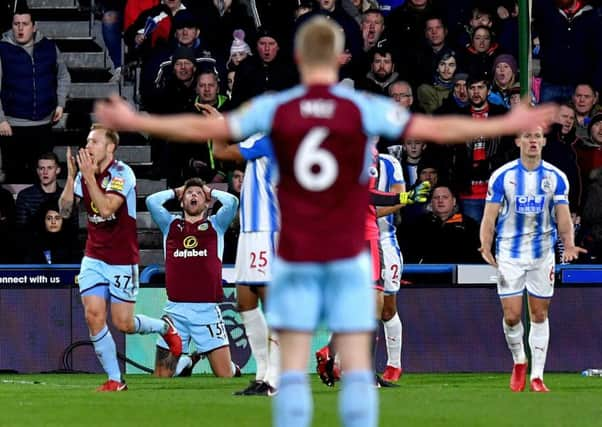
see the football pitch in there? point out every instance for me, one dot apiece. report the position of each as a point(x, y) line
point(421, 400)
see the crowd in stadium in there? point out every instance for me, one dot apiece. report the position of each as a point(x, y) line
point(431, 56)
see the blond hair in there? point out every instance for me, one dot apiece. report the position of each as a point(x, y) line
point(110, 134)
point(319, 42)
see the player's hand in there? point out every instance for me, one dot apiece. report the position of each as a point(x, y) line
point(115, 113)
point(86, 164)
point(488, 256)
point(207, 110)
point(71, 165)
point(207, 191)
point(523, 117)
point(179, 192)
point(5, 129)
point(572, 253)
point(418, 194)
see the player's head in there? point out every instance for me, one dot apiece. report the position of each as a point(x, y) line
point(101, 145)
point(531, 142)
point(48, 168)
point(194, 199)
point(319, 43)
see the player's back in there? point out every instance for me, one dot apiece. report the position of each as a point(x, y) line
point(321, 147)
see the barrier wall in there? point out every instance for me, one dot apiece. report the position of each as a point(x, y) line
point(451, 318)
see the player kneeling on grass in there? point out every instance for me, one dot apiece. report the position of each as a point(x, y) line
point(193, 246)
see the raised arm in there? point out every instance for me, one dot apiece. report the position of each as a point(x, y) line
point(449, 129)
point(66, 200)
point(227, 211)
point(159, 213)
point(119, 115)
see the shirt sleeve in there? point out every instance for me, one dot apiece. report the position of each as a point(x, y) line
point(255, 147)
point(77, 186)
point(122, 181)
point(224, 216)
point(495, 190)
point(561, 195)
point(159, 214)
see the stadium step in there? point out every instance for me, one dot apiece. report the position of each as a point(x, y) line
point(143, 221)
point(151, 256)
point(131, 154)
point(82, 52)
point(57, 4)
point(144, 187)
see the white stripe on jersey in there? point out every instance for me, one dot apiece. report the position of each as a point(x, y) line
point(389, 173)
point(526, 226)
point(258, 204)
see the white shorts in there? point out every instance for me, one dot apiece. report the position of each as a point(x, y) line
point(254, 257)
point(392, 268)
point(537, 276)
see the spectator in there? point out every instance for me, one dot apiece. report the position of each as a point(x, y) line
point(33, 91)
point(406, 23)
point(372, 26)
point(444, 235)
point(479, 55)
point(54, 242)
point(231, 236)
point(474, 162)
point(589, 151)
point(591, 220)
point(431, 96)
point(409, 154)
point(585, 100)
point(571, 46)
point(112, 23)
point(457, 100)
point(425, 57)
point(152, 28)
point(31, 198)
point(382, 73)
point(480, 16)
point(505, 74)
point(218, 19)
point(560, 150)
point(356, 8)
point(401, 92)
point(158, 63)
point(177, 93)
point(239, 49)
point(7, 227)
point(269, 70)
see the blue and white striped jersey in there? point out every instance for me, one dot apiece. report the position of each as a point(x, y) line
point(526, 225)
point(258, 204)
point(389, 174)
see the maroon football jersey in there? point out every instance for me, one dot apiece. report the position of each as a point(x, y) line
point(321, 149)
point(193, 270)
point(114, 239)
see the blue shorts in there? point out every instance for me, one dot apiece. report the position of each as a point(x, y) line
point(338, 293)
point(198, 322)
point(117, 282)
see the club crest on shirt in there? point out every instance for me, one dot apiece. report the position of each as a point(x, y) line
point(190, 242)
point(203, 227)
point(546, 185)
point(117, 184)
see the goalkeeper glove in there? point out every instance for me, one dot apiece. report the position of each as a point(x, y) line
point(418, 194)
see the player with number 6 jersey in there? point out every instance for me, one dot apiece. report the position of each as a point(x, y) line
point(193, 246)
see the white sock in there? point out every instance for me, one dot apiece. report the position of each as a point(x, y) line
point(256, 329)
point(393, 330)
point(184, 362)
point(514, 339)
point(233, 368)
point(539, 336)
point(273, 372)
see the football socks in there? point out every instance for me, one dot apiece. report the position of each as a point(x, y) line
point(293, 405)
point(358, 404)
point(514, 339)
point(539, 336)
point(257, 333)
point(104, 347)
point(393, 330)
point(148, 325)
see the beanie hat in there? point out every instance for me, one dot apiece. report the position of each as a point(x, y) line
point(506, 59)
point(460, 76)
point(184, 52)
point(184, 19)
point(239, 45)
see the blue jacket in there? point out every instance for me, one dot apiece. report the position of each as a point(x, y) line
point(29, 85)
point(571, 48)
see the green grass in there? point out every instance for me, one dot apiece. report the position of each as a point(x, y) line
point(422, 400)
